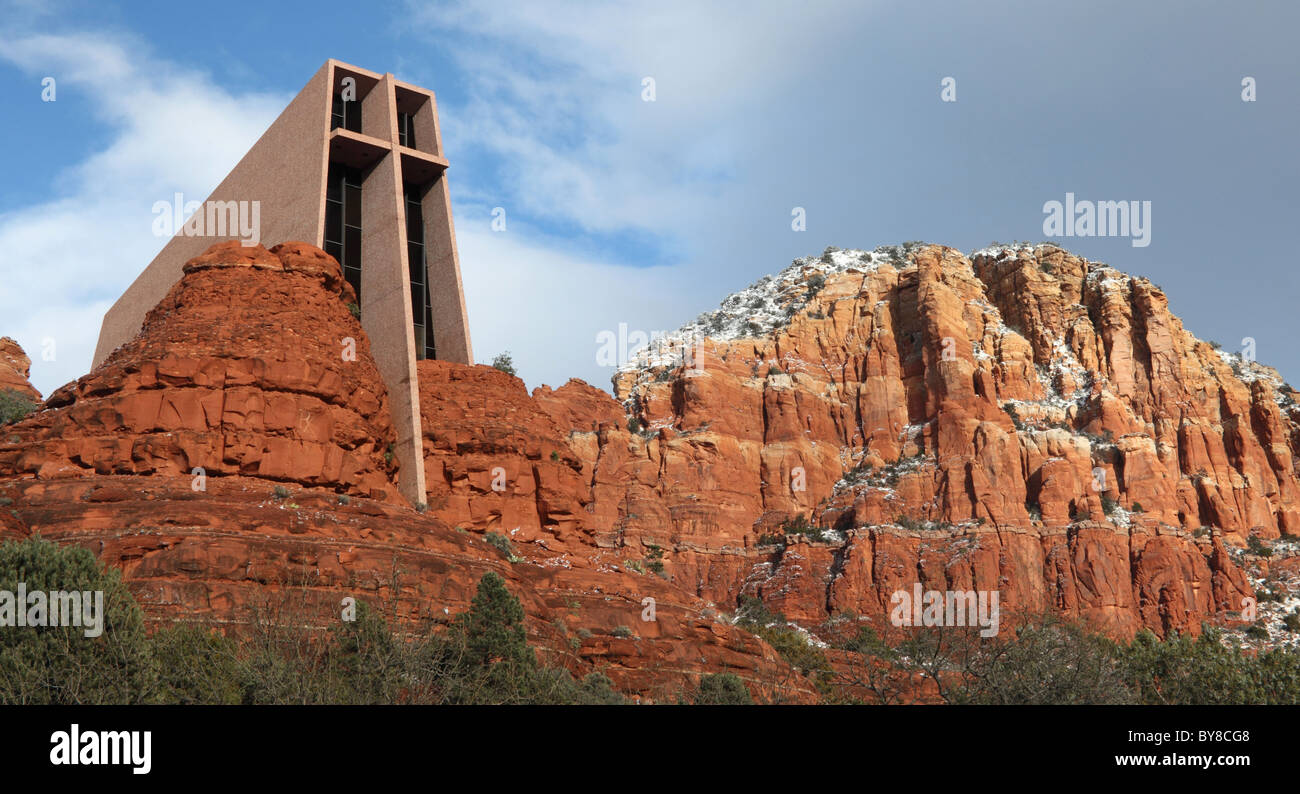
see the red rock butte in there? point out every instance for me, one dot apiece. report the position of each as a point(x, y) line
point(1021, 420)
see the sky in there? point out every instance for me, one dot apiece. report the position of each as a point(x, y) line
point(625, 213)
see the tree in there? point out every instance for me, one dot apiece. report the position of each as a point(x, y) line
point(1206, 671)
point(365, 662)
point(485, 659)
point(1048, 661)
point(60, 664)
point(505, 363)
point(493, 627)
point(196, 666)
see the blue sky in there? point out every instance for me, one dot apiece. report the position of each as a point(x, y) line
point(647, 213)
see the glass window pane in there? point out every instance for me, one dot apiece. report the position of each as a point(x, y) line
point(352, 246)
point(336, 112)
point(414, 222)
point(430, 349)
point(334, 183)
point(415, 260)
point(333, 221)
point(352, 205)
point(352, 115)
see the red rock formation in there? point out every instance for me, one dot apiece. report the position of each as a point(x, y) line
point(1026, 422)
point(239, 370)
point(15, 369)
point(1064, 464)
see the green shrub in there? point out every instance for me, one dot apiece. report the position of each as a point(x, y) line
point(722, 689)
point(598, 690)
point(1271, 593)
point(1206, 671)
point(1109, 505)
point(1256, 632)
point(621, 631)
point(1046, 659)
point(1256, 546)
point(799, 525)
point(481, 658)
point(910, 524)
point(502, 544)
point(794, 648)
point(280, 492)
point(196, 666)
point(14, 407)
point(505, 363)
point(60, 664)
point(815, 285)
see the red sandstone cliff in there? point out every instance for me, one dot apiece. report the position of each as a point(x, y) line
point(936, 419)
point(15, 369)
point(945, 421)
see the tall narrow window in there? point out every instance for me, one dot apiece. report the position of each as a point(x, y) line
point(421, 309)
point(346, 114)
point(406, 130)
point(343, 222)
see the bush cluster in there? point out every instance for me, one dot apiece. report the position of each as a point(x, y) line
point(14, 407)
point(482, 657)
point(1047, 660)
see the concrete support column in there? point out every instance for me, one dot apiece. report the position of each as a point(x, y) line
point(386, 305)
point(446, 295)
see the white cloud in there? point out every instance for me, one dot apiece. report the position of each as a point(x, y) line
point(547, 306)
point(166, 130)
point(556, 96)
point(554, 106)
